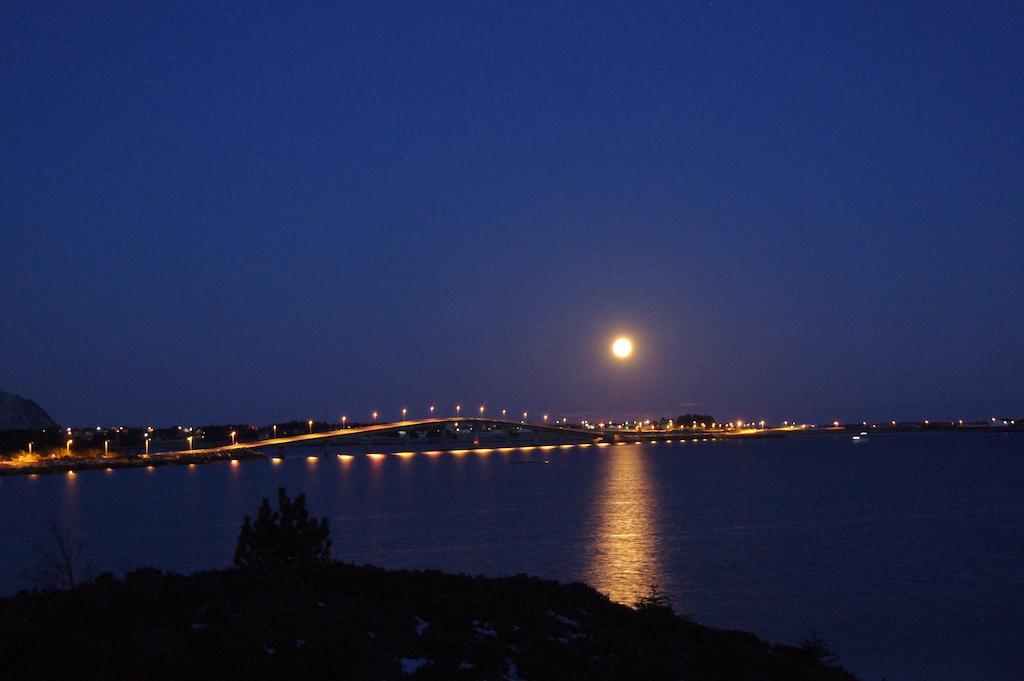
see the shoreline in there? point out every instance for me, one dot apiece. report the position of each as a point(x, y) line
point(249, 451)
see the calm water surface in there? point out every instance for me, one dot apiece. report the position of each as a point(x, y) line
point(905, 553)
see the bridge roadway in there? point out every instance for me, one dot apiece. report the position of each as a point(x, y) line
point(382, 428)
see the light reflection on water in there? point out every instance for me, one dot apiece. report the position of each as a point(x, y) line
point(625, 557)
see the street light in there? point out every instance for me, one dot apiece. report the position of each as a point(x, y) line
point(375, 417)
point(275, 429)
point(503, 414)
point(431, 411)
point(524, 417)
point(189, 438)
point(69, 446)
point(147, 444)
point(30, 448)
point(106, 447)
point(481, 410)
point(458, 408)
point(310, 424)
point(343, 420)
point(404, 412)
point(233, 434)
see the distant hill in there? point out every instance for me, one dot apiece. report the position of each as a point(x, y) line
point(18, 413)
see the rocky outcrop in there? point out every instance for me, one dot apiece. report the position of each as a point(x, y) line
point(18, 413)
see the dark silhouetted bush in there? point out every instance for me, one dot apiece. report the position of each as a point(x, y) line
point(283, 538)
point(817, 650)
point(653, 601)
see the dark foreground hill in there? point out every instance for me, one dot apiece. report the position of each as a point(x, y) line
point(341, 621)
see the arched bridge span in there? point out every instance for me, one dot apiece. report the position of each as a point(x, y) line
point(477, 424)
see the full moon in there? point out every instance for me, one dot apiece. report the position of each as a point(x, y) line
point(622, 347)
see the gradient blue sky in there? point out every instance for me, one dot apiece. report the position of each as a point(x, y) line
point(255, 212)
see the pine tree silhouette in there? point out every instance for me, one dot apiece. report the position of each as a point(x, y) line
point(282, 538)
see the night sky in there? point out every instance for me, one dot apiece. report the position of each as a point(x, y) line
point(256, 213)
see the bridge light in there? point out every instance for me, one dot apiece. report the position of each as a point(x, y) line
point(404, 411)
point(375, 417)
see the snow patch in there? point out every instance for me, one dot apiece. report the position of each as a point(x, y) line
point(511, 671)
point(411, 664)
point(482, 630)
point(564, 620)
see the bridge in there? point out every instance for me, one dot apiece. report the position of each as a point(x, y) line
point(365, 434)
